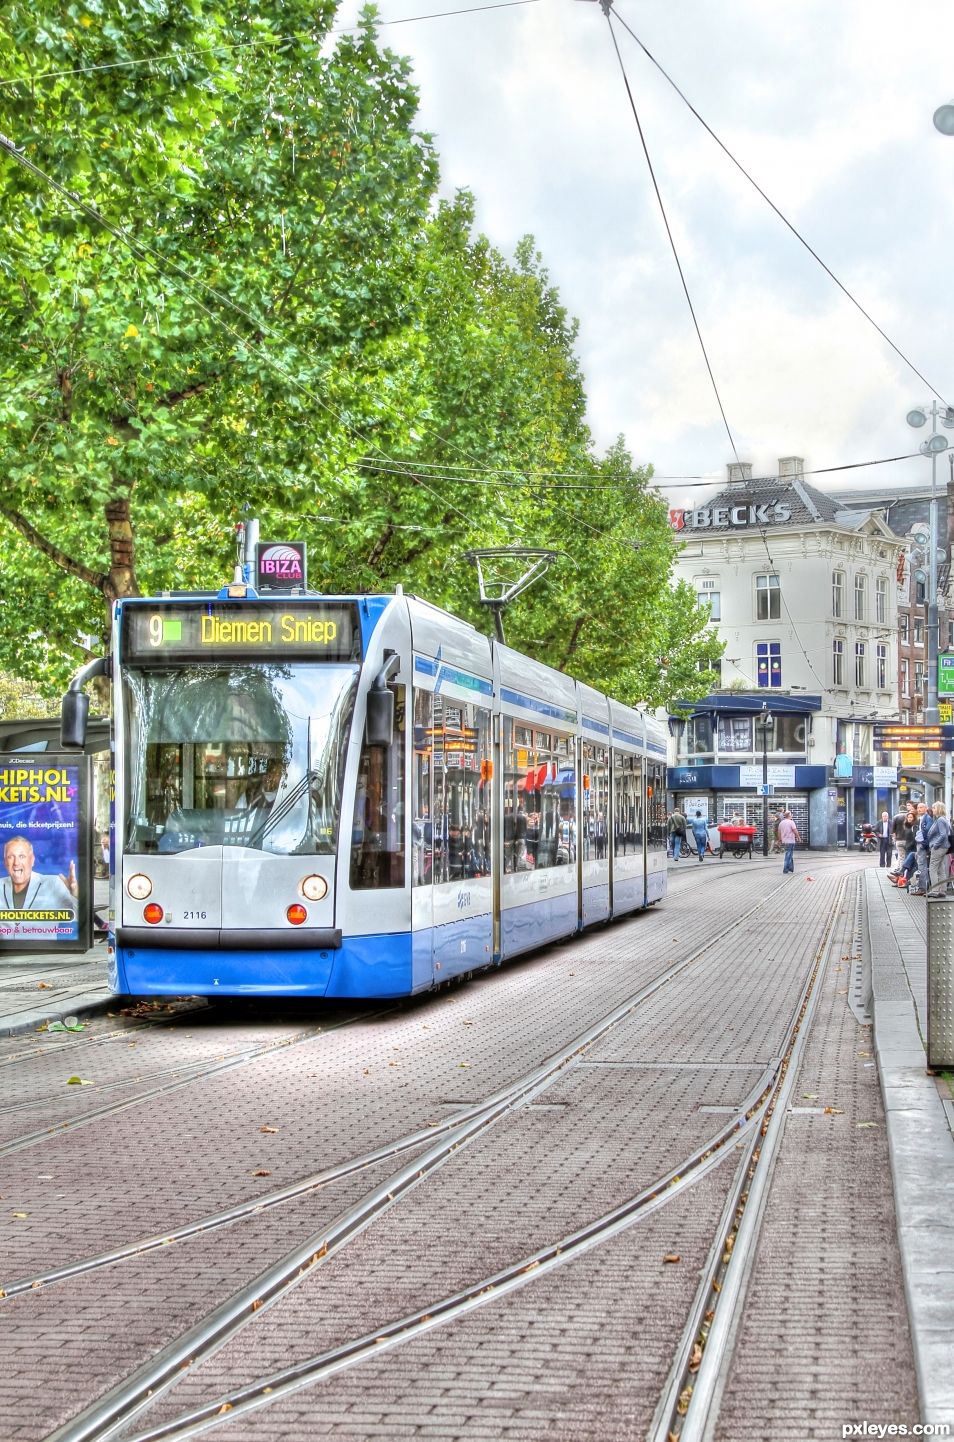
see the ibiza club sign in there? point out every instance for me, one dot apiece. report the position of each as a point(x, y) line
point(706, 518)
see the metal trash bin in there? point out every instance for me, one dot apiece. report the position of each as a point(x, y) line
point(940, 982)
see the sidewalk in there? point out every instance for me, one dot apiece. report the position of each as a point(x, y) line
point(920, 1140)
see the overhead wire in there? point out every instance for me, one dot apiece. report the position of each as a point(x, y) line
point(607, 6)
point(782, 217)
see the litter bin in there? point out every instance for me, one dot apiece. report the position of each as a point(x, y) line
point(940, 982)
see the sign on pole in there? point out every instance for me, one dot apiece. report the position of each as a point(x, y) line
point(945, 675)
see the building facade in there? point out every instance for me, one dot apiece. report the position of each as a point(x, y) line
point(803, 589)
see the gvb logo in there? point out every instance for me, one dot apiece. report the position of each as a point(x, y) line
point(281, 565)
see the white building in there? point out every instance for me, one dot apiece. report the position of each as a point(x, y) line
point(804, 594)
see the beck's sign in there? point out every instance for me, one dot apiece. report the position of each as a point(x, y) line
point(705, 518)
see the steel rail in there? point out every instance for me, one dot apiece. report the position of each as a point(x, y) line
point(688, 1405)
point(197, 1074)
point(113, 1411)
point(317, 1180)
point(753, 1120)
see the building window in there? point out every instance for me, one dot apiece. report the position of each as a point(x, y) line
point(861, 597)
point(860, 664)
point(881, 667)
point(905, 623)
point(838, 663)
point(918, 631)
point(881, 600)
point(918, 678)
point(950, 635)
point(838, 595)
point(768, 663)
point(713, 600)
point(768, 600)
point(905, 678)
point(714, 665)
point(920, 592)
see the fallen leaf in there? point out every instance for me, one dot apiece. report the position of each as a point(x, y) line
point(810, 1096)
point(268, 1129)
point(44, 986)
point(77, 1081)
point(22, 1215)
point(261, 1173)
point(256, 1304)
point(865, 1124)
point(464, 1064)
point(695, 1358)
point(672, 1257)
point(834, 1112)
point(225, 1407)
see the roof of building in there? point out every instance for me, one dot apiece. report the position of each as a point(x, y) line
point(808, 505)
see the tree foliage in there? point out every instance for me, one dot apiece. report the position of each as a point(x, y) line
point(226, 287)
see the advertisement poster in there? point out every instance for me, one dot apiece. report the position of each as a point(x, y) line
point(45, 880)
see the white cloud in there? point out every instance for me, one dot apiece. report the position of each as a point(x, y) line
point(828, 106)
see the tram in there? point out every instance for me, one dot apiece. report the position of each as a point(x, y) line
point(356, 796)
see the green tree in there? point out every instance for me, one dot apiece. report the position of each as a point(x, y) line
point(273, 198)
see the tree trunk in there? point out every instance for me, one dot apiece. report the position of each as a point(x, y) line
point(120, 580)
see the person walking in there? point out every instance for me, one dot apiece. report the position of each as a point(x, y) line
point(885, 839)
point(677, 830)
point(938, 837)
point(789, 837)
point(700, 833)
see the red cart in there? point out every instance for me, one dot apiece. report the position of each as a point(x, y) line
point(736, 839)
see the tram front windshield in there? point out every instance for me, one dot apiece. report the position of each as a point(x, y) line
point(245, 755)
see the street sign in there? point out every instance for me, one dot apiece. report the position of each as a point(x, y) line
point(945, 675)
point(766, 788)
point(945, 711)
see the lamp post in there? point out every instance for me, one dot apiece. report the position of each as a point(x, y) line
point(764, 723)
point(932, 447)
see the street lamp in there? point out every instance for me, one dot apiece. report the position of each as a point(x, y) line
point(932, 447)
point(944, 119)
point(764, 723)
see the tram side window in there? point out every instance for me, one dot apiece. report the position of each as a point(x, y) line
point(539, 799)
point(627, 816)
point(378, 854)
point(461, 789)
point(595, 801)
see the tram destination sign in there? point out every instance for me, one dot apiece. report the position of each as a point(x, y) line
point(224, 630)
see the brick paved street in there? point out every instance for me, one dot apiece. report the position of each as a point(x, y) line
point(192, 1113)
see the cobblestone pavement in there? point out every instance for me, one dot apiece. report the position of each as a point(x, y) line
point(220, 1108)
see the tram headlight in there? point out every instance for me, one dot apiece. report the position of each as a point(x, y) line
point(296, 914)
point(314, 888)
point(152, 913)
point(139, 886)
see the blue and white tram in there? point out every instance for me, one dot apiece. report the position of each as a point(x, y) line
point(358, 797)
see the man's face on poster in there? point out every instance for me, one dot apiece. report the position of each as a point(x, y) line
point(18, 859)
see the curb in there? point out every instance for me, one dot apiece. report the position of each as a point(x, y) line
point(87, 1003)
point(922, 1162)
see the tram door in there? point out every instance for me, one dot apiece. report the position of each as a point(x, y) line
point(452, 796)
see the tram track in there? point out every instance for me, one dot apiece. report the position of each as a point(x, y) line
point(198, 1074)
point(756, 1125)
point(122, 1404)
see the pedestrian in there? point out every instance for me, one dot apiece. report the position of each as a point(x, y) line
point(897, 832)
point(885, 839)
point(700, 833)
point(788, 837)
point(677, 831)
point(922, 853)
point(938, 837)
point(907, 850)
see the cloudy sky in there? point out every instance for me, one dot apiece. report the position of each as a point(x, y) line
point(827, 103)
